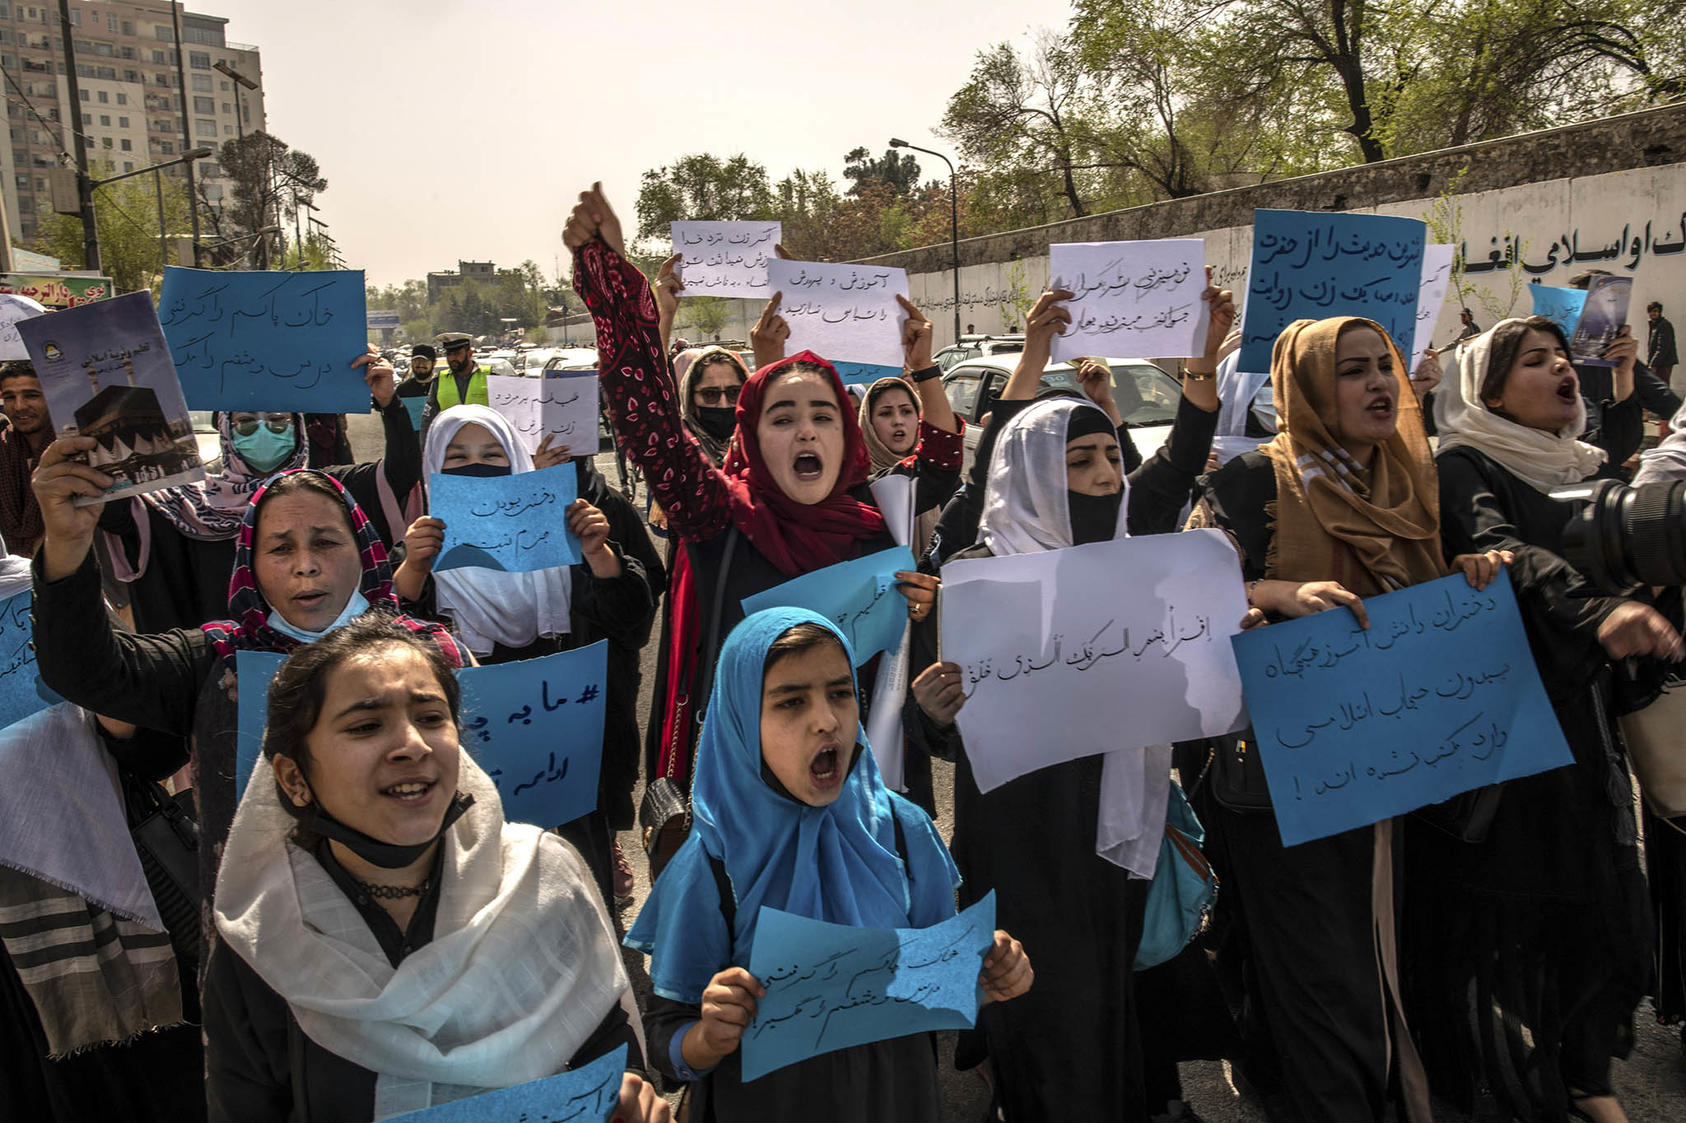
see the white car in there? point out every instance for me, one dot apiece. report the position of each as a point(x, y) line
point(1147, 397)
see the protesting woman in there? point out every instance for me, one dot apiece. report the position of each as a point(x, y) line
point(173, 549)
point(791, 496)
point(894, 415)
point(98, 1015)
point(791, 814)
point(306, 561)
point(1539, 925)
point(389, 942)
point(1341, 504)
point(506, 617)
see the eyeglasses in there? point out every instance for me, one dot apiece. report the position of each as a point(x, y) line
point(712, 395)
point(276, 425)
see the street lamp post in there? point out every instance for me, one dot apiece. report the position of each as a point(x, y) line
point(157, 171)
point(953, 221)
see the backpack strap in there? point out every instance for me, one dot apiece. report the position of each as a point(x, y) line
point(729, 903)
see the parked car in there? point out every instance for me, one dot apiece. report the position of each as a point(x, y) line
point(976, 347)
point(1147, 397)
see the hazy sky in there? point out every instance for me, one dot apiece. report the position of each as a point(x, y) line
point(454, 130)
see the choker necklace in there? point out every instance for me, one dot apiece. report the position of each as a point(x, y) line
point(394, 892)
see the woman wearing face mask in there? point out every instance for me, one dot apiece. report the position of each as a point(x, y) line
point(790, 497)
point(505, 617)
point(1545, 918)
point(791, 814)
point(174, 548)
point(1058, 845)
point(370, 875)
point(1341, 504)
point(306, 561)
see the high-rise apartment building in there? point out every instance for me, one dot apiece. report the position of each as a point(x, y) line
point(132, 102)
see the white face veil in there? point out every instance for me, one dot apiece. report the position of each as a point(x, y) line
point(1026, 511)
point(1025, 505)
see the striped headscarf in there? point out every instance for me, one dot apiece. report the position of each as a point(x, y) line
point(249, 629)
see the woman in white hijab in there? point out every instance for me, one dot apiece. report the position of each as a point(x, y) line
point(388, 941)
point(1065, 848)
point(1544, 916)
point(504, 617)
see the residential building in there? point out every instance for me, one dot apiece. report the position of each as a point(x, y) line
point(483, 271)
point(132, 108)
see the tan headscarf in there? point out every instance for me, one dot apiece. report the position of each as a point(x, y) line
point(1371, 529)
point(882, 455)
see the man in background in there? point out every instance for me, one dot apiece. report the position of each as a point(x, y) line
point(1661, 355)
point(29, 429)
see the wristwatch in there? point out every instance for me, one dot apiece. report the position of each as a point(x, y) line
point(930, 372)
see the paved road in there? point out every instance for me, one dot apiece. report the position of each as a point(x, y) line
point(1651, 1084)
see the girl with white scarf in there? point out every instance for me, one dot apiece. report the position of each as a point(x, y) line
point(388, 941)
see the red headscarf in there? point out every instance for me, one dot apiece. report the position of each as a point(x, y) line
point(798, 537)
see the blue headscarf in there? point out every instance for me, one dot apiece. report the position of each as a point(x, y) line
point(836, 863)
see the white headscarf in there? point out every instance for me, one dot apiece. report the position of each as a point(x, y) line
point(521, 971)
point(1236, 391)
point(488, 606)
point(1025, 512)
point(1540, 459)
point(1025, 507)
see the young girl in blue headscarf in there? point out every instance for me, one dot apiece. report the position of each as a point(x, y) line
point(790, 812)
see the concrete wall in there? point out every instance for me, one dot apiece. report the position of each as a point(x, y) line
point(1537, 200)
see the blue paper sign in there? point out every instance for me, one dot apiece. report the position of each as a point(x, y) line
point(536, 727)
point(22, 692)
point(830, 986)
point(1438, 697)
point(267, 340)
point(1561, 306)
point(515, 523)
point(253, 672)
point(415, 407)
point(1309, 265)
point(859, 596)
point(585, 1095)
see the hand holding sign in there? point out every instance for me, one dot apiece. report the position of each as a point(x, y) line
point(1131, 298)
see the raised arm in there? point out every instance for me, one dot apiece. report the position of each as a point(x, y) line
point(940, 445)
point(638, 393)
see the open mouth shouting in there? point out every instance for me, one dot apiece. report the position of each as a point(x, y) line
point(1381, 408)
point(827, 768)
point(807, 467)
point(1568, 390)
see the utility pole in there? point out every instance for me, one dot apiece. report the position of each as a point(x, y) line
point(84, 185)
point(186, 135)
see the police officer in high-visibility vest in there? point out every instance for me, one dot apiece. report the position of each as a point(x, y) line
point(464, 383)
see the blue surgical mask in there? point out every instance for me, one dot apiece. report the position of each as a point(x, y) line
point(265, 450)
point(355, 607)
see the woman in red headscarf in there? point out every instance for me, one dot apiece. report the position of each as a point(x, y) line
point(790, 498)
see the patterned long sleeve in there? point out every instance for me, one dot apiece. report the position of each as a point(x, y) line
point(939, 448)
point(640, 396)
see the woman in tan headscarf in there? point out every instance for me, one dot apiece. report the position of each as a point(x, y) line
point(1342, 504)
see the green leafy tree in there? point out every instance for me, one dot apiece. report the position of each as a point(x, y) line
point(702, 187)
point(270, 179)
point(126, 220)
point(900, 170)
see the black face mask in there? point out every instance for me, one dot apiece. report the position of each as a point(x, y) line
point(386, 855)
point(718, 421)
point(1094, 518)
point(481, 471)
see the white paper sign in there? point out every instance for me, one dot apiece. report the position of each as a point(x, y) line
point(1111, 645)
point(1437, 278)
point(12, 309)
point(1132, 298)
point(894, 495)
point(562, 404)
point(726, 258)
point(844, 313)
